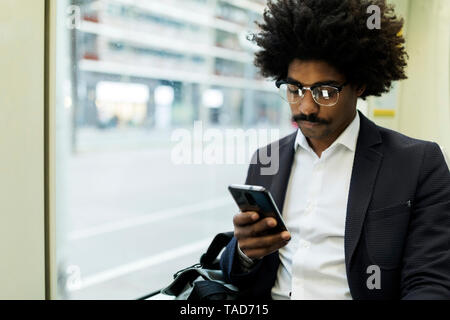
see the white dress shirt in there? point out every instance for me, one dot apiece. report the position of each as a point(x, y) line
point(313, 262)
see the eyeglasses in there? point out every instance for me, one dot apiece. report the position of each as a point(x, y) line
point(323, 94)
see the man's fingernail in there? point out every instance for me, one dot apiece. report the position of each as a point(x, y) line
point(286, 236)
point(271, 223)
point(255, 216)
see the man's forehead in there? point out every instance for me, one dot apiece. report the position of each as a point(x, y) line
point(317, 83)
point(310, 72)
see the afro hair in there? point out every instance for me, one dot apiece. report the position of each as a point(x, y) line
point(335, 31)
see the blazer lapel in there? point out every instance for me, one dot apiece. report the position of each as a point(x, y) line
point(365, 169)
point(280, 181)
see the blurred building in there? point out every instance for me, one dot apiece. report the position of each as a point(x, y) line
point(174, 62)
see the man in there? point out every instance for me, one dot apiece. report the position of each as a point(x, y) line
point(367, 208)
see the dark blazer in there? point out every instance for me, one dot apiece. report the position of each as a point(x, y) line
point(398, 217)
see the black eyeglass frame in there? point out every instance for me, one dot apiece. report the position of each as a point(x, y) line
point(339, 88)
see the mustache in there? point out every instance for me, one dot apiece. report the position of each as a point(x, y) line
point(310, 118)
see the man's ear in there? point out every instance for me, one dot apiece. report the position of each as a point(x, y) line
point(360, 90)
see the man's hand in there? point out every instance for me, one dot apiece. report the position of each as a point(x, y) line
point(252, 238)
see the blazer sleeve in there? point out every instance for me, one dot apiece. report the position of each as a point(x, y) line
point(426, 261)
point(229, 260)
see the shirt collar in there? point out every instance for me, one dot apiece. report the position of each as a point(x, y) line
point(348, 137)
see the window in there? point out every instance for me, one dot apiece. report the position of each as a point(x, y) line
point(157, 97)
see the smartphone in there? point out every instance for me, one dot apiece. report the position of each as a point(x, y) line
point(259, 199)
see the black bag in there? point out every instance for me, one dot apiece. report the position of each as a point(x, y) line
point(204, 281)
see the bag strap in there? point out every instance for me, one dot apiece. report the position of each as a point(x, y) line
point(219, 242)
point(210, 290)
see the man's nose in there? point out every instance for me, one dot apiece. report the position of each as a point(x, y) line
point(308, 105)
